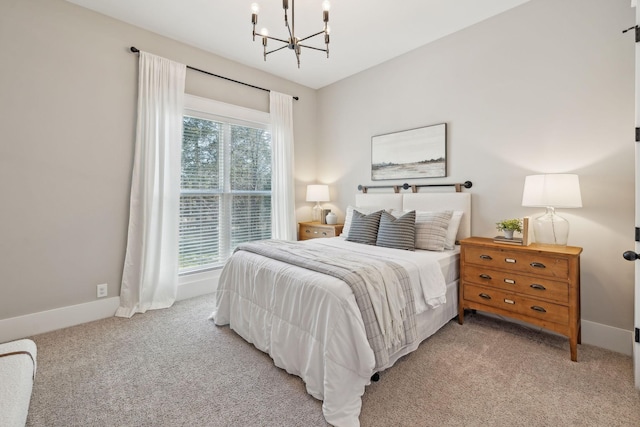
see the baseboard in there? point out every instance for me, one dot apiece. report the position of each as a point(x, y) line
point(46, 321)
point(51, 320)
point(198, 284)
point(609, 337)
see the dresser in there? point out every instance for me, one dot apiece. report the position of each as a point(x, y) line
point(537, 284)
point(314, 230)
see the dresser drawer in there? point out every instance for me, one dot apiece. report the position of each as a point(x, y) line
point(312, 232)
point(517, 304)
point(537, 287)
point(524, 262)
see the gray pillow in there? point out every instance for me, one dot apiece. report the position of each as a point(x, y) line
point(364, 228)
point(397, 233)
point(431, 230)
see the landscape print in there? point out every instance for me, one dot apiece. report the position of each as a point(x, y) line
point(415, 153)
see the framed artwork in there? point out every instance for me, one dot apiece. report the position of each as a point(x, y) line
point(408, 154)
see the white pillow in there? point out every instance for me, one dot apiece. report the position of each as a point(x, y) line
point(349, 215)
point(452, 231)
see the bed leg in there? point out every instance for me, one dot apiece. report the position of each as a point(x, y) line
point(375, 377)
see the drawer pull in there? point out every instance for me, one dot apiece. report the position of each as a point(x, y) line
point(510, 281)
point(324, 233)
point(485, 296)
point(485, 257)
point(537, 286)
point(307, 231)
point(485, 276)
point(509, 301)
point(538, 308)
point(510, 260)
point(537, 265)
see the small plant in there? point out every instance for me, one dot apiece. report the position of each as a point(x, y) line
point(510, 225)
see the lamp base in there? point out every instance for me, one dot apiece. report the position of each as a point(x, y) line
point(551, 229)
point(317, 212)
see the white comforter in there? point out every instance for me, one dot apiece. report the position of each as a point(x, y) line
point(309, 323)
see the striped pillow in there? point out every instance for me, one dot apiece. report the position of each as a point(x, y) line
point(347, 219)
point(431, 230)
point(397, 233)
point(364, 228)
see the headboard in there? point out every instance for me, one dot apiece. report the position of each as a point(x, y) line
point(423, 202)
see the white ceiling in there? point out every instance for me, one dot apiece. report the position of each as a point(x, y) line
point(364, 33)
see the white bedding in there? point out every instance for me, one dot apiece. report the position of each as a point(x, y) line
point(310, 324)
point(424, 270)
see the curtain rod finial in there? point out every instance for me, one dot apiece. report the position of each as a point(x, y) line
point(134, 49)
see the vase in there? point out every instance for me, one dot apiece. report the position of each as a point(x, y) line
point(332, 218)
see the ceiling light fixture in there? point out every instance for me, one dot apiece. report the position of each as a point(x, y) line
point(292, 42)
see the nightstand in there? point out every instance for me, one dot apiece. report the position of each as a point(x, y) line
point(538, 284)
point(314, 230)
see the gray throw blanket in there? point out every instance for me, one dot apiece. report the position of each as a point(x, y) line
point(340, 264)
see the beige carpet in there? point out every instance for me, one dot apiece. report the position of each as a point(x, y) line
point(176, 368)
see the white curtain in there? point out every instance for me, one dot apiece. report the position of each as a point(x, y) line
point(283, 223)
point(150, 276)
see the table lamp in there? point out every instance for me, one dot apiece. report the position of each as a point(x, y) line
point(317, 193)
point(551, 191)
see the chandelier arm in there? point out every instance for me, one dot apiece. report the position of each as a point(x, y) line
point(314, 48)
point(277, 39)
point(312, 35)
point(275, 50)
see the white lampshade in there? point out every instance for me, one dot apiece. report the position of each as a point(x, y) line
point(317, 193)
point(551, 191)
point(556, 190)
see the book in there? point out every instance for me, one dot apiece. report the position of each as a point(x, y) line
point(514, 241)
point(526, 232)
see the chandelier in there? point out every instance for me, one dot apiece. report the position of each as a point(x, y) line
point(293, 42)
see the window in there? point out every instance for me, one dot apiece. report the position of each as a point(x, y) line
point(225, 196)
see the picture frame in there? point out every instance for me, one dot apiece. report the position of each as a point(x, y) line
point(410, 154)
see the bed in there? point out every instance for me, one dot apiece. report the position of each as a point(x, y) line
point(310, 323)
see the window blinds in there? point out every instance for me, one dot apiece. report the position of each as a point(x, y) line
point(225, 195)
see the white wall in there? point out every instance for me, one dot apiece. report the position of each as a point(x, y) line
point(68, 90)
point(544, 87)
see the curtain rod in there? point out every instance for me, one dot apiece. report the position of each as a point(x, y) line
point(136, 50)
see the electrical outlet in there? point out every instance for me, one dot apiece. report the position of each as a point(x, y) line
point(101, 290)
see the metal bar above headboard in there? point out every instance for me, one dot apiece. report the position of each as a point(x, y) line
point(414, 187)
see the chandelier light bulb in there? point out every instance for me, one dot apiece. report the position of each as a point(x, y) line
point(255, 8)
point(326, 5)
point(264, 32)
point(328, 29)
